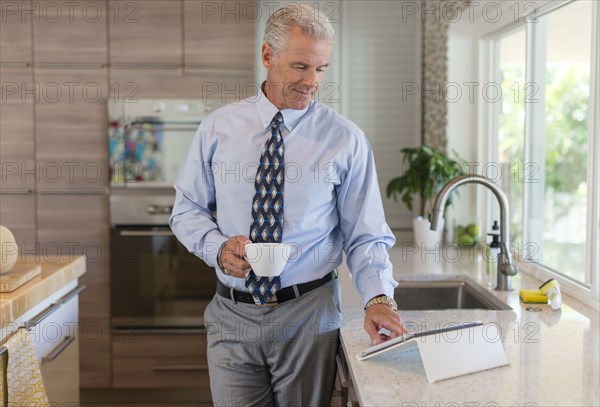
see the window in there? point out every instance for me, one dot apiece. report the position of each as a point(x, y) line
point(541, 131)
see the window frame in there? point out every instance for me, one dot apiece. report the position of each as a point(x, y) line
point(488, 151)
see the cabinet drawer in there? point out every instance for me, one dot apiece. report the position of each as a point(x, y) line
point(51, 332)
point(54, 332)
point(160, 372)
point(143, 360)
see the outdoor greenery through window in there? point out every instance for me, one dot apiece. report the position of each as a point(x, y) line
point(541, 130)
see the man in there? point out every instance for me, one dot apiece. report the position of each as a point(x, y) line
point(280, 349)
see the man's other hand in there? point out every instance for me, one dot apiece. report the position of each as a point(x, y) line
point(381, 316)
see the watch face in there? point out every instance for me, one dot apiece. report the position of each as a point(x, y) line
point(390, 301)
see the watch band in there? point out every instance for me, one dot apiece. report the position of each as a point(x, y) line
point(382, 299)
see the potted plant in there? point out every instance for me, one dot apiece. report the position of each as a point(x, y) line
point(426, 171)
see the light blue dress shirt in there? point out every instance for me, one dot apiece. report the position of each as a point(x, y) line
point(332, 201)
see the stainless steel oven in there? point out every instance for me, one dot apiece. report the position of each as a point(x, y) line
point(148, 138)
point(156, 283)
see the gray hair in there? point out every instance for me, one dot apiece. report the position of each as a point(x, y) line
point(313, 22)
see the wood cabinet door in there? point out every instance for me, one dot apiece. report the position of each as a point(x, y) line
point(71, 129)
point(15, 32)
point(70, 32)
point(220, 34)
point(71, 225)
point(17, 213)
point(17, 150)
point(17, 157)
point(167, 360)
point(145, 33)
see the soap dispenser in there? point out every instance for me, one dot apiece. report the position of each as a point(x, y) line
point(492, 252)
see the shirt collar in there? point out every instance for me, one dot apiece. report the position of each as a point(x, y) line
point(267, 110)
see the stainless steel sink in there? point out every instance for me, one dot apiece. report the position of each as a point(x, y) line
point(445, 294)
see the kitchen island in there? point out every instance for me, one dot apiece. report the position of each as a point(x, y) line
point(554, 356)
point(46, 308)
point(58, 274)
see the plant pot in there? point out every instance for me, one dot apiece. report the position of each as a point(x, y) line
point(426, 238)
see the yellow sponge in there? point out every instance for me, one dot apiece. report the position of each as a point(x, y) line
point(533, 297)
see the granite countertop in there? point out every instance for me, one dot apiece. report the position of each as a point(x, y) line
point(56, 273)
point(554, 356)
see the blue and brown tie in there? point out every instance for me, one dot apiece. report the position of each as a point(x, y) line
point(267, 207)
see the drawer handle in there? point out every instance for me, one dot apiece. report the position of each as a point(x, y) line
point(52, 307)
point(343, 377)
point(142, 65)
point(72, 191)
point(59, 349)
point(15, 64)
point(143, 233)
point(41, 316)
point(174, 368)
point(59, 65)
point(16, 191)
point(132, 329)
point(76, 291)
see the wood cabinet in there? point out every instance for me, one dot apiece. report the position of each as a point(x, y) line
point(78, 224)
point(17, 157)
point(15, 33)
point(17, 150)
point(209, 86)
point(17, 213)
point(145, 34)
point(70, 32)
point(220, 34)
point(71, 129)
point(54, 137)
point(160, 360)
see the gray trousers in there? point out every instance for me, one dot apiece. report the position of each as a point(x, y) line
point(274, 356)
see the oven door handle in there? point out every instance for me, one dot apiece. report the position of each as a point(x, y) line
point(146, 233)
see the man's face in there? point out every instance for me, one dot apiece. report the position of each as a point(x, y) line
point(294, 75)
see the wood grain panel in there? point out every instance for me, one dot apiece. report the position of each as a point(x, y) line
point(82, 219)
point(146, 32)
point(17, 213)
point(71, 129)
point(150, 361)
point(79, 224)
point(15, 32)
point(17, 151)
point(95, 354)
point(220, 34)
point(218, 86)
point(70, 32)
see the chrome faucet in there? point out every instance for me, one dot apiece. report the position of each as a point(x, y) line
point(506, 266)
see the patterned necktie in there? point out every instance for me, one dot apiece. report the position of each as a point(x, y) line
point(267, 207)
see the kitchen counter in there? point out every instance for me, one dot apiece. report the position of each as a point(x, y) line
point(554, 356)
point(56, 274)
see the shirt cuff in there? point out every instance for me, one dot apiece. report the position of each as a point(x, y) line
point(215, 240)
point(375, 287)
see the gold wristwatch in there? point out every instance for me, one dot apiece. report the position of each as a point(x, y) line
point(382, 299)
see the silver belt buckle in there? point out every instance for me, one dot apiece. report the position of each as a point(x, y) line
point(271, 302)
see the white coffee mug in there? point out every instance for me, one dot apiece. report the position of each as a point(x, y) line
point(267, 259)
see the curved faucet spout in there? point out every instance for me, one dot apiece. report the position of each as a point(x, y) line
point(506, 266)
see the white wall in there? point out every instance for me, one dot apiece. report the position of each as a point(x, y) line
point(376, 54)
point(468, 128)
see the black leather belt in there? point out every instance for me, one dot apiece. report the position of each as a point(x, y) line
point(285, 294)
